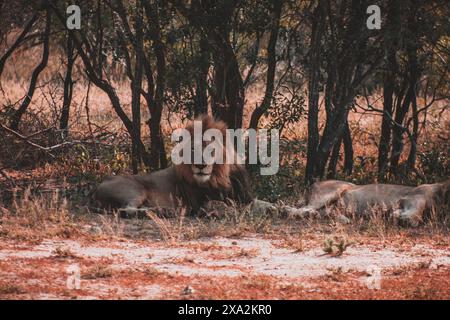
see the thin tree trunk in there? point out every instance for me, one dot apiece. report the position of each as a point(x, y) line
point(414, 76)
point(348, 151)
point(334, 159)
point(136, 85)
point(68, 88)
point(235, 91)
point(162, 151)
point(271, 66)
point(158, 156)
point(413, 149)
point(345, 139)
point(201, 96)
point(18, 42)
point(313, 91)
point(99, 38)
point(86, 108)
point(398, 130)
point(385, 137)
point(16, 117)
point(218, 105)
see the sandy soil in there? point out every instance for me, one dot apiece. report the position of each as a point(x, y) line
point(249, 267)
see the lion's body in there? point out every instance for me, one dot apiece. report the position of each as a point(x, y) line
point(184, 185)
point(408, 204)
point(152, 190)
point(362, 198)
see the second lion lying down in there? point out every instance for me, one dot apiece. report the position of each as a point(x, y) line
point(407, 204)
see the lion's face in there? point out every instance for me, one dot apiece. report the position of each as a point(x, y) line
point(207, 174)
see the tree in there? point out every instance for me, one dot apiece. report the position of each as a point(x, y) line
point(348, 62)
point(228, 94)
point(16, 117)
point(94, 71)
point(408, 55)
point(68, 86)
point(271, 65)
point(390, 42)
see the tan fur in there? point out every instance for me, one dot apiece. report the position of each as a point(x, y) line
point(408, 204)
point(176, 186)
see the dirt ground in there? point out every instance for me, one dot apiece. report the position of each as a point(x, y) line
point(400, 265)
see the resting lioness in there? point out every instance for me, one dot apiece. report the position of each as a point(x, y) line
point(182, 185)
point(408, 204)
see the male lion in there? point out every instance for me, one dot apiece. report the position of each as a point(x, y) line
point(183, 185)
point(408, 204)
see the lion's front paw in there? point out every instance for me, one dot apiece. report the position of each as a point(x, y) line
point(259, 207)
point(402, 218)
point(298, 213)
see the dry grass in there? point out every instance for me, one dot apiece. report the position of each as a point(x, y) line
point(33, 217)
point(63, 253)
point(152, 272)
point(98, 271)
point(335, 246)
point(296, 243)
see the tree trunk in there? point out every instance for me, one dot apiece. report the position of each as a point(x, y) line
point(348, 77)
point(313, 91)
point(218, 105)
point(201, 95)
point(385, 137)
point(410, 98)
point(16, 117)
point(228, 92)
point(229, 87)
point(348, 154)
point(18, 41)
point(390, 47)
point(414, 136)
point(271, 66)
point(334, 159)
point(68, 88)
point(158, 158)
point(398, 130)
point(136, 85)
point(414, 76)
point(348, 151)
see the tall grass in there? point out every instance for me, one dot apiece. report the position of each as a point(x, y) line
point(34, 216)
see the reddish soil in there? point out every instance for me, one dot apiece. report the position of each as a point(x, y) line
point(223, 268)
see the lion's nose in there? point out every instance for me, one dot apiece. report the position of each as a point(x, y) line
point(201, 166)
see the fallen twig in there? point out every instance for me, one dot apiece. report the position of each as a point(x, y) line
point(46, 149)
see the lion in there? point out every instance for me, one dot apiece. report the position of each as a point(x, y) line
point(407, 204)
point(183, 185)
